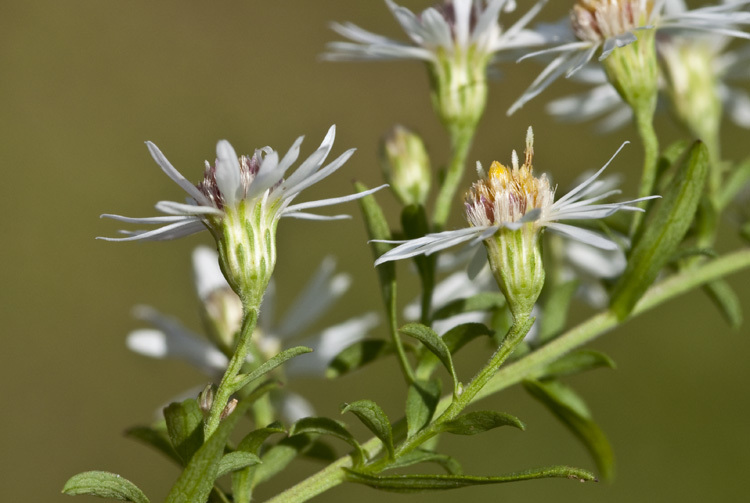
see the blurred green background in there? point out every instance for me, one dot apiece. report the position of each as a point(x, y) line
point(85, 82)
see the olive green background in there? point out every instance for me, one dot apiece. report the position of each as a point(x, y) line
point(85, 82)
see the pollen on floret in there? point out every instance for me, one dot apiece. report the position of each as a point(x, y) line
point(507, 194)
point(598, 20)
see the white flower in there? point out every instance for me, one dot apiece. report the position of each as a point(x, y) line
point(512, 198)
point(606, 25)
point(456, 38)
point(257, 180)
point(453, 26)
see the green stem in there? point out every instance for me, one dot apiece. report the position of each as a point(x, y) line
point(461, 138)
point(228, 381)
point(644, 118)
point(392, 309)
point(534, 362)
point(515, 335)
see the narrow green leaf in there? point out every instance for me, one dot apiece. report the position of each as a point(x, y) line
point(375, 419)
point(726, 300)
point(415, 225)
point(448, 463)
point(663, 231)
point(480, 421)
point(197, 479)
point(669, 157)
point(327, 426)
point(243, 380)
point(185, 427)
point(421, 401)
point(454, 339)
point(279, 456)
point(377, 228)
point(104, 485)
point(159, 440)
point(416, 483)
point(485, 301)
point(577, 362)
point(570, 409)
point(236, 461)
point(434, 343)
point(358, 355)
point(556, 307)
point(242, 480)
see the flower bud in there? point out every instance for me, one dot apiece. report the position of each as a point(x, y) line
point(406, 165)
point(693, 86)
point(206, 398)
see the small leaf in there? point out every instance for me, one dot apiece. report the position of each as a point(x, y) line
point(185, 427)
point(556, 308)
point(479, 422)
point(570, 409)
point(104, 485)
point(415, 225)
point(485, 301)
point(327, 426)
point(416, 483)
point(577, 362)
point(242, 480)
point(454, 339)
point(435, 344)
point(726, 300)
point(421, 401)
point(448, 463)
point(279, 456)
point(197, 479)
point(357, 356)
point(375, 419)
point(378, 229)
point(156, 439)
point(663, 231)
point(243, 380)
point(236, 461)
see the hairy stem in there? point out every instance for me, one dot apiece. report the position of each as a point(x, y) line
point(227, 385)
point(644, 117)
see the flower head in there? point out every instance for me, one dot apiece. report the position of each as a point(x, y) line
point(456, 38)
point(609, 27)
point(240, 201)
point(507, 210)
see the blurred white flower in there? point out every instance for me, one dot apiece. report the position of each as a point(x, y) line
point(604, 26)
point(169, 339)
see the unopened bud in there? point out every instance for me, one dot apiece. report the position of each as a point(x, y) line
point(406, 165)
point(229, 408)
point(206, 398)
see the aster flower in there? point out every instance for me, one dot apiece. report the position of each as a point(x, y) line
point(506, 210)
point(240, 201)
point(607, 26)
point(456, 38)
point(170, 339)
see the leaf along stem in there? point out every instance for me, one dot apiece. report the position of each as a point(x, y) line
point(674, 286)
